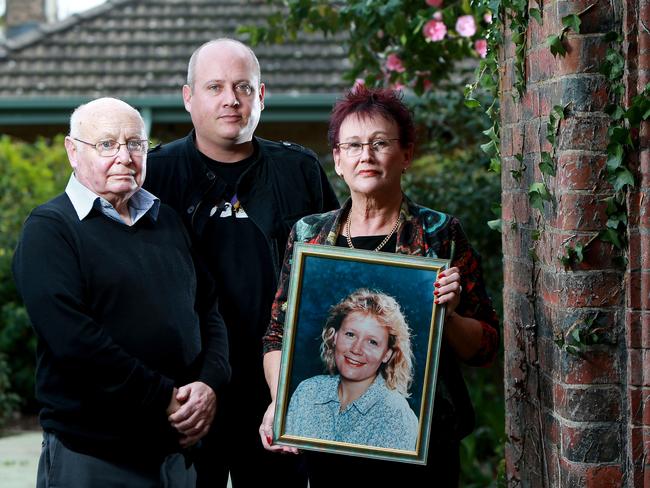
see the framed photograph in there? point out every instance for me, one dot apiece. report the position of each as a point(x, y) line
point(360, 353)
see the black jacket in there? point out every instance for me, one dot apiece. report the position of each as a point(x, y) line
point(285, 184)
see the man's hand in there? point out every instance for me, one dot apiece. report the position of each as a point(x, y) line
point(194, 417)
point(174, 404)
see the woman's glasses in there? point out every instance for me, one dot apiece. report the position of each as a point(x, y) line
point(378, 146)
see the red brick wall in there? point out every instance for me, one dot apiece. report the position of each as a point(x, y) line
point(575, 421)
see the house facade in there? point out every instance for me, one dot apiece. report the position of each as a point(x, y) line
point(138, 50)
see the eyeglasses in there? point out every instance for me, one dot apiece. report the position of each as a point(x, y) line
point(109, 147)
point(378, 146)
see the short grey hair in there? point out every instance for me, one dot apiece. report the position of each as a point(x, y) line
point(78, 113)
point(191, 66)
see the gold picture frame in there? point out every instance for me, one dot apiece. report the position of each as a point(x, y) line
point(322, 276)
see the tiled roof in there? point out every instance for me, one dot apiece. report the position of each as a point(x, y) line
point(140, 48)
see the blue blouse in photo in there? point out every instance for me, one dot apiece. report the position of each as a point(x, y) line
point(379, 418)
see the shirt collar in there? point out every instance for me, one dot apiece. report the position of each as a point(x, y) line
point(371, 396)
point(83, 200)
point(329, 393)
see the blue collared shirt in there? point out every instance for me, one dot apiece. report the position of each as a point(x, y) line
point(379, 418)
point(84, 200)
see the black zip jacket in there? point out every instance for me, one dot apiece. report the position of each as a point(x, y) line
point(285, 184)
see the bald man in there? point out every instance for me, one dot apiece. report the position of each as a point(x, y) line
point(130, 357)
point(239, 196)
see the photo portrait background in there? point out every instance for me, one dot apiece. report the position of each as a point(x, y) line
point(327, 281)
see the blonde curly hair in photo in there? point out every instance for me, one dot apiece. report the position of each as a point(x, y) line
point(398, 371)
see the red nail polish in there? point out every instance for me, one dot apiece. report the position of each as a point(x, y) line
point(269, 439)
point(441, 275)
point(436, 301)
point(436, 284)
point(435, 293)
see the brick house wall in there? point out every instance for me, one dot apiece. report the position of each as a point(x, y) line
point(575, 421)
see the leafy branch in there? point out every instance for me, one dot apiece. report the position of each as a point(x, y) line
point(570, 22)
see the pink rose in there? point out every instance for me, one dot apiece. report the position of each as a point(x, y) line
point(434, 30)
point(487, 17)
point(466, 26)
point(481, 47)
point(394, 63)
point(357, 83)
point(398, 87)
point(437, 15)
point(434, 3)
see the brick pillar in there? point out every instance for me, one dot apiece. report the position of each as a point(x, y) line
point(637, 323)
point(574, 421)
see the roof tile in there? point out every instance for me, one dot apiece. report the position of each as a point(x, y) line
point(141, 47)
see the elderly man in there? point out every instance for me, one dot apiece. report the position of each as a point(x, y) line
point(238, 195)
point(129, 356)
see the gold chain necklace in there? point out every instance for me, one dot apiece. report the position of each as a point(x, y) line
point(382, 243)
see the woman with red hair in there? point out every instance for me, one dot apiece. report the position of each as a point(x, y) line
point(372, 135)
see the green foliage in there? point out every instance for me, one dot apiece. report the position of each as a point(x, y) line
point(389, 43)
point(538, 194)
point(574, 254)
point(582, 334)
point(482, 453)
point(30, 174)
point(435, 181)
point(9, 401)
point(572, 22)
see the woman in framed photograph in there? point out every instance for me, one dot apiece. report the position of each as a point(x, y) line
point(366, 350)
point(372, 135)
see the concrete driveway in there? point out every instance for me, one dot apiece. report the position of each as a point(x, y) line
point(19, 459)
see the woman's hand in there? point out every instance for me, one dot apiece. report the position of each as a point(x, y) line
point(447, 289)
point(266, 433)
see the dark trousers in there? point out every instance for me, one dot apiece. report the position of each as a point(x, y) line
point(233, 446)
point(61, 467)
point(333, 470)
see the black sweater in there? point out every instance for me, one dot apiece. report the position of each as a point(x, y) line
point(118, 325)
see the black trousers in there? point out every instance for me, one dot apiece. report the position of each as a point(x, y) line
point(332, 470)
point(233, 447)
point(59, 466)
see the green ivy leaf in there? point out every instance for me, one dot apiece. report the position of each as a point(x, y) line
point(610, 235)
point(495, 165)
point(547, 169)
point(472, 103)
point(620, 135)
point(537, 194)
point(573, 350)
point(555, 44)
point(579, 251)
point(495, 225)
point(536, 14)
point(559, 112)
point(617, 112)
point(489, 148)
point(572, 22)
point(622, 177)
point(491, 133)
point(615, 154)
point(575, 335)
